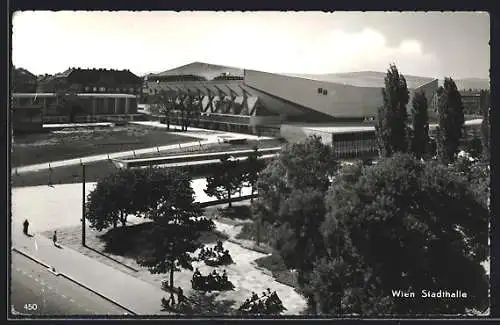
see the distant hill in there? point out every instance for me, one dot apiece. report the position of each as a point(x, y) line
point(209, 71)
point(472, 83)
point(362, 78)
point(359, 78)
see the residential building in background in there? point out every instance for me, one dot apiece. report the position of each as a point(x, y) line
point(92, 81)
point(22, 81)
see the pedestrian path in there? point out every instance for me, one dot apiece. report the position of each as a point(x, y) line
point(127, 291)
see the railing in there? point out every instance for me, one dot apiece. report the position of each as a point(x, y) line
point(154, 161)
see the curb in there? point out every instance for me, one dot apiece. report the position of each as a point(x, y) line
point(72, 280)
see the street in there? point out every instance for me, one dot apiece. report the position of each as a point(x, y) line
point(36, 291)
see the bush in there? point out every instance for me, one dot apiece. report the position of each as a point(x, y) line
point(276, 265)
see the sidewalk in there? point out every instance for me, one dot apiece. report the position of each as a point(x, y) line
point(135, 295)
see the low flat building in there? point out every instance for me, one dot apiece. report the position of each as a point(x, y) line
point(79, 108)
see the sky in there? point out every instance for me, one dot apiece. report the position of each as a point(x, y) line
point(437, 44)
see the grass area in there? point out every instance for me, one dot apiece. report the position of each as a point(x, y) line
point(64, 175)
point(130, 241)
point(97, 170)
point(237, 212)
point(275, 264)
point(31, 149)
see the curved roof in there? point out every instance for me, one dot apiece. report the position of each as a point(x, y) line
point(209, 71)
point(370, 79)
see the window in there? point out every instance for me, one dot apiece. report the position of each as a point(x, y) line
point(320, 90)
point(87, 88)
point(95, 89)
point(102, 89)
point(325, 92)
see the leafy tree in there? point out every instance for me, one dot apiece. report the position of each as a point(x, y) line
point(165, 101)
point(113, 199)
point(401, 224)
point(451, 121)
point(177, 226)
point(485, 125)
point(253, 166)
point(291, 197)
point(391, 126)
point(420, 123)
point(475, 147)
point(226, 181)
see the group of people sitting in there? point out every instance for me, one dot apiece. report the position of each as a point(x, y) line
point(170, 303)
point(268, 303)
point(213, 281)
point(215, 256)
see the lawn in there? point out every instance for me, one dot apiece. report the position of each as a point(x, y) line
point(64, 175)
point(97, 170)
point(31, 149)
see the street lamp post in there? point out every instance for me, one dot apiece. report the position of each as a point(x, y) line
point(83, 204)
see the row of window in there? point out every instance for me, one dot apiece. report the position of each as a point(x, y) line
point(104, 89)
point(322, 91)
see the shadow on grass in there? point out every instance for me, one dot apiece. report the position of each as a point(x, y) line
point(275, 264)
point(239, 212)
point(131, 241)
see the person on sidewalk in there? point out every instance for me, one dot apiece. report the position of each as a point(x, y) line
point(54, 238)
point(171, 300)
point(180, 296)
point(26, 224)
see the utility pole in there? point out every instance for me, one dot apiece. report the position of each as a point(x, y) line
point(83, 205)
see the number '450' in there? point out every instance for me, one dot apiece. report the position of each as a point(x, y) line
point(30, 307)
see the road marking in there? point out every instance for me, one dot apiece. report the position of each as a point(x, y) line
point(36, 279)
point(18, 270)
point(49, 287)
point(31, 276)
point(42, 283)
point(36, 245)
point(71, 300)
point(63, 295)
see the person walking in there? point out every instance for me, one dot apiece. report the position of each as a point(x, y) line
point(54, 238)
point(26, 224)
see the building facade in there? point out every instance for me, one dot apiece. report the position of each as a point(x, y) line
point(78, 108)
point(22, 81)
point(92, 81)
point(259, 102)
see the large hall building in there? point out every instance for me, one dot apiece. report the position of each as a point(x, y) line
point(289, 105)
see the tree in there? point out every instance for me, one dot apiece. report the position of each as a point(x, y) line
point(485, 125)
point(451, 121)
point(391, 126)
point(291, 190)
point(253, 166)
point(176, 228)
point(113, 199)
point(420, 123)
point(165, 101)
point(401, 224)
point(226, 180)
